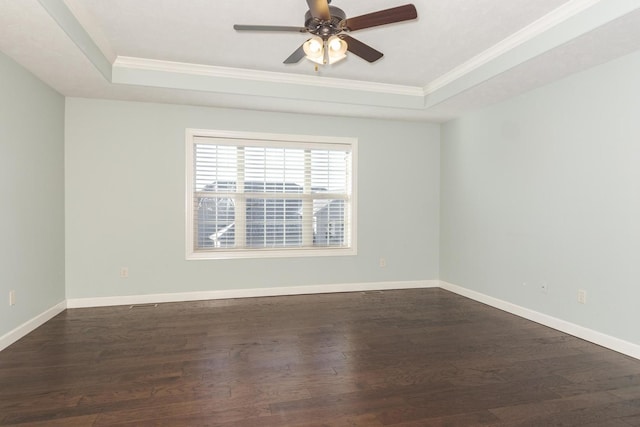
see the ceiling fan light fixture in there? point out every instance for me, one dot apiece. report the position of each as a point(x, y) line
point(314, 49)
point(337, 50)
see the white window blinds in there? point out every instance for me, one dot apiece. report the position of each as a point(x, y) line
point(274, 195)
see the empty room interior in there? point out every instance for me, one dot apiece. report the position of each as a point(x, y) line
point(233, 213)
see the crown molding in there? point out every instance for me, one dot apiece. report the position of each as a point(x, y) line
point(567, 22)
point(548, 21)
point(564, 24)
point(237, 81)
point(263, 76)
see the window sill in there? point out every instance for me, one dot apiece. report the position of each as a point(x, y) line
point(270, 253)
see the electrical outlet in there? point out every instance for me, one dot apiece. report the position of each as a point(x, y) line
point(383, 262)
point(124, 272)
point(582, 296)
point(544, 287)
point(12, 297)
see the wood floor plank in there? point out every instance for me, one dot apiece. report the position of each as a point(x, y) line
point(471, 419)
point(552, 407)
point(422, 357)
point(82, 421)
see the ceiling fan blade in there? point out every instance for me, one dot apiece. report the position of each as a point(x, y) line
point(268, 28)
point(296, 56)
point(319, 9)
point(382, 17)
point(364, 51)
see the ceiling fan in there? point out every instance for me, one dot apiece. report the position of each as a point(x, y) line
point(329, 26)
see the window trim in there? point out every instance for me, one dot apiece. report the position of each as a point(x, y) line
point(191, 136)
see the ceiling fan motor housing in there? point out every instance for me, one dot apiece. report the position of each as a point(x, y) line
point(322, 28)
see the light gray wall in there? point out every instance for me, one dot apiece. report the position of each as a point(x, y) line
point(546, 188)
point(125, 202)
point(32, 194)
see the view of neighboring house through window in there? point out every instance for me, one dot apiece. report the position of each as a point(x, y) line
point(269, 195)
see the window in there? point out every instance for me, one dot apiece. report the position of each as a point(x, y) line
point(255, 195)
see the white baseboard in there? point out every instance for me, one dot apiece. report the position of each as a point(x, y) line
point(616, 344)
point(12, 336)
point(247, 293)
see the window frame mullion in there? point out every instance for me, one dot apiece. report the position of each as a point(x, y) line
point(240, 211)
point(307, 203)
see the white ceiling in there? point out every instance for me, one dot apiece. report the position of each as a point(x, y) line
point(458, 55)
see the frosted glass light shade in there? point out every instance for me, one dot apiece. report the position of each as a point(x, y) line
point(337, 49)
point(314, 49)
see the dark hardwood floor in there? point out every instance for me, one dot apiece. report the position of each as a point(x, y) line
point(403, 358)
